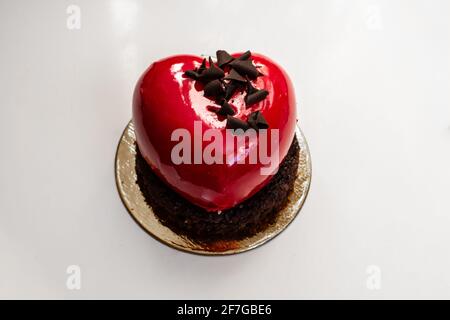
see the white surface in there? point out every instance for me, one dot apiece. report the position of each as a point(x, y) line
point(372, 80)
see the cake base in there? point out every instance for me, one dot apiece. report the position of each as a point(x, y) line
point(144, 215)
point(244, 220)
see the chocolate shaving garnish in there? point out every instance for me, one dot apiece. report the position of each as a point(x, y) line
point(202, 66)
point(245, 56)
point(226, 109)
point(256, 97)
point(222, 88)
point(250, 88)
point(234, 75)
point(223, 58)
point(245, 68)
point(235, 123)
point(211, 73)
point(191, 74)
point(230, 89)
point(214, 89)
point(257, 121)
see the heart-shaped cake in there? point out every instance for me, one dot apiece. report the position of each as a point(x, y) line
point(201, 127)
point(213, 137)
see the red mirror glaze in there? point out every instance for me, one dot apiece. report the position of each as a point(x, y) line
point(165, 100)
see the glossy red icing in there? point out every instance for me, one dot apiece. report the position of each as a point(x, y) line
point(165, 100)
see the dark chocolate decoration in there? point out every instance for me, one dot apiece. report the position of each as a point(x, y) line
point(223, 58)
point(202, 66)
point(191, 74)
point(257, 121)
point(250, 88)
point(226, 109)
point(260, 74)
point(256, 97)
point(214, 89)
point(211, 62)
point(234, 75)
point(211, 73)
point(235, 123)
point(221, 88)
point(230, 89)
point(245, 56)
point(245, 67)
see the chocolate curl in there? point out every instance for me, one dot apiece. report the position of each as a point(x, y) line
point(202, 67)
point(256, 97)
point(234, 75)
point(245, 68)
point(191, 74)
point(214, 89)
point(223, 58)
point(230, 89)
point(210, 74)
point(226, 109)
point(257, 121)
point(245, 56)
point(235, 123)
point(250, 88)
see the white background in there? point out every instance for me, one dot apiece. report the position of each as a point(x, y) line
point(372, 80)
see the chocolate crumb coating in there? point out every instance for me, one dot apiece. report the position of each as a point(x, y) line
point(244, 220)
